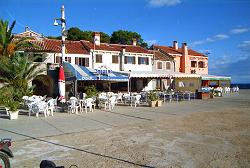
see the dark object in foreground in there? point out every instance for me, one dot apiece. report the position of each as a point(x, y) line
point(5, 153)
point(50, 164)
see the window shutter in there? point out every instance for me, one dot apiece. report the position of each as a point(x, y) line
point(58, 59)
point(76, 60)
point(147, 61)
point(87, 62)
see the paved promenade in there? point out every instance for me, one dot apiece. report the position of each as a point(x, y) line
point(63, 123)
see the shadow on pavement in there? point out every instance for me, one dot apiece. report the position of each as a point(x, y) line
point(77, 149)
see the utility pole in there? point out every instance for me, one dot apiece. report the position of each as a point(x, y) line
point(64, 32)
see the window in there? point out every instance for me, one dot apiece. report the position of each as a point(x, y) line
point(68, 59)
point(129, 60)
point(193, 64)
point(82, 61)
point(143, 60)
point(98, 58)
point(59, 59)
point(167, 65)
point(115, 59)
point(201, 64)
point(159, 65)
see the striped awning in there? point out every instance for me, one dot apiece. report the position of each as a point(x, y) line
point(77, 72)
point(161, 74)
point(214, 77)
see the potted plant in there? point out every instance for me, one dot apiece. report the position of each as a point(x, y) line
point(152, 97)
point(159, 103)
point(7, 100)
point(90, 91)
point(13, 106)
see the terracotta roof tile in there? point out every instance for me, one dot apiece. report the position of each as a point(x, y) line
point(192, 52)
point(51, 45)
point(171, 50)
point(167, 50)
point(161, 56)
point(115, 47)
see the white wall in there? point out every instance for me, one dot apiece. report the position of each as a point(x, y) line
point(51, 57)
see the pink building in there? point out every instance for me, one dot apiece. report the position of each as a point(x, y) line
point(186, 60)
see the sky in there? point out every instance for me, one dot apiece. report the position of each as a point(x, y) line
point(218, 27)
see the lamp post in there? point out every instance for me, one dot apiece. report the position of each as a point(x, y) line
point(64, 33)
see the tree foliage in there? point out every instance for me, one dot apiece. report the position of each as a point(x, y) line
point(75, 34)
point(117, 37)
point(8, 44)
point(125, 37)
point(17, 71)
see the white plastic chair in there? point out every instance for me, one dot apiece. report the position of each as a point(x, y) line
point(136, 100)
point(119, 97)
point(88, 103)
point(40, 107)
point(111, 103)
point(73, 106)
point(51, 107)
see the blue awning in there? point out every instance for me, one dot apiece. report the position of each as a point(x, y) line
point(77, 72)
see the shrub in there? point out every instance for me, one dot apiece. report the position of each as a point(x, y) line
point(152, 96)
point(90, 91)
point(9, 98)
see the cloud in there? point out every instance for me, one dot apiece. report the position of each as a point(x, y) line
point(237, 70)
point(210, 39)
point(239, 30)
point(220, 37)
point(161, 3)
point(245, 46)
point(151, 42)
point(230, 65)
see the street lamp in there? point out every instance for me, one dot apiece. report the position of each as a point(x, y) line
point(64, 32)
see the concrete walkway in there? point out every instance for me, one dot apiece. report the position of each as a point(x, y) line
point(63, 123)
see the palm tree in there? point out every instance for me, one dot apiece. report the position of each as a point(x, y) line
point(9, 44)
point(17, 71)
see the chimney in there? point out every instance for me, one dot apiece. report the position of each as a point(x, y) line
point(26, 28)
point(134, 41)
point(96, 38)
point(184, 49)
point(185, 60)
point(175, 45)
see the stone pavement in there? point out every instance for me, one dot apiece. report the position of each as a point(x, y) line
point(63, 123)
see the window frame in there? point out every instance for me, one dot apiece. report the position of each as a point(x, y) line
point(193, 62)
point(159, 63)
point(169, 66)
point(143, 61)
point(115, 59)
point(201, 64)
point(132, 61)
point(99, 60)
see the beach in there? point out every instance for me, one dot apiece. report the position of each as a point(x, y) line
point(199, 133)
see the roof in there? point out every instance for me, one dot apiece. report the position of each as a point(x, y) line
point(171, 50)
point(52, 45)
point(168, 50)
point(161, 56)
point(115, 47)
point(192, 52)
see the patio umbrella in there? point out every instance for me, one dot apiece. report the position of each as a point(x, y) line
point(61, 84)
